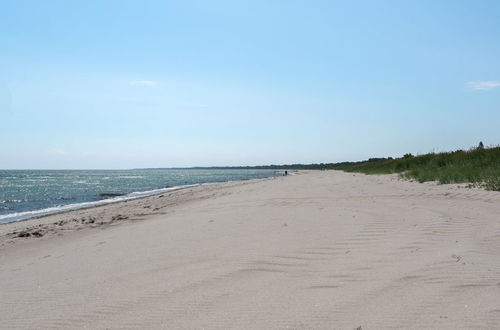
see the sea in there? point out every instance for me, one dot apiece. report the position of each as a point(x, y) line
point(30, 193)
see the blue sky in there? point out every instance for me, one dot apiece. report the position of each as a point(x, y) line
point(125, 84)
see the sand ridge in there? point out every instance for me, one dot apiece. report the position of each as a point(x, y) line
point(319, 250)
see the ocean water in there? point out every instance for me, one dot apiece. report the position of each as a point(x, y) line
point(29, 193)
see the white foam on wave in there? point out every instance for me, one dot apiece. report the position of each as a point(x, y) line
point(11, 217)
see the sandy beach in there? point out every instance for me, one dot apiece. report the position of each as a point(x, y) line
point(317, 250)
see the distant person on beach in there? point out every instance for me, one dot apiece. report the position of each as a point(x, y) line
point(286, 172)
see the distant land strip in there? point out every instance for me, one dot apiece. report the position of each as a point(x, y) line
point(479, 166)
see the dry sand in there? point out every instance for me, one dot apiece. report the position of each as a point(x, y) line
point(319, 250)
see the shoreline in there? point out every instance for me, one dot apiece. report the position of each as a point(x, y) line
point(20, 216)
point(322, 250)
point(40, 224)
point(37, 213)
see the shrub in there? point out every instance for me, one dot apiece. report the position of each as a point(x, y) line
point(480, 166)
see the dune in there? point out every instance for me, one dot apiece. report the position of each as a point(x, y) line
point(317, 250)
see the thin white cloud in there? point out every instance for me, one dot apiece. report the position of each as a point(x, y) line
point(57, 151)
point(149, 83)
point(483, 85)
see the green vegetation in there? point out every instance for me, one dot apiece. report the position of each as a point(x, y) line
point(479, 166)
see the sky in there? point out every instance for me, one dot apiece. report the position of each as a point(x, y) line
point(132, 84)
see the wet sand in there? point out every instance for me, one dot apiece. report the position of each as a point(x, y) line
point(318, 250)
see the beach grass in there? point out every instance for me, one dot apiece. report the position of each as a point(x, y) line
point(477, 166)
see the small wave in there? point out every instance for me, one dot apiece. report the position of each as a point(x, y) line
point(131, 176)
point(11, 217)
